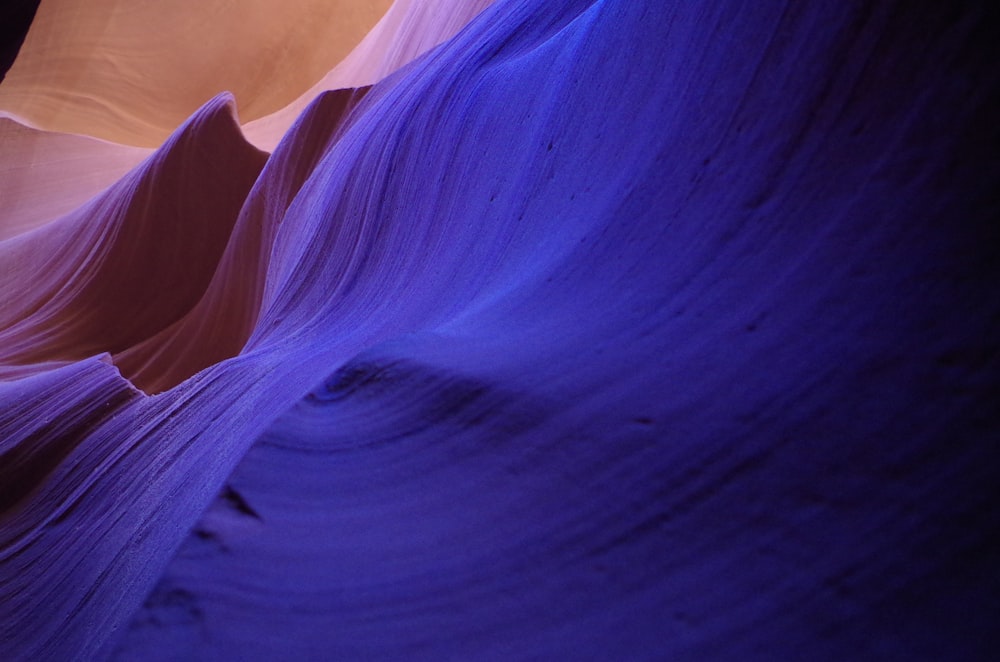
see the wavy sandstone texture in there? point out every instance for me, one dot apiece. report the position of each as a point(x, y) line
point(130, 72)
point(46, 175)
point(604, 330)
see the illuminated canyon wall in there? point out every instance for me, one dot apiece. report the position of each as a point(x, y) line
point(576, 330)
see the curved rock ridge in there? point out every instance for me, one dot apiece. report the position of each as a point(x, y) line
point(407, 31)
point(608, 329)
point(217, 327)
point(52, 455)
point(78, 167)
point(33, 447)
point(133, 260)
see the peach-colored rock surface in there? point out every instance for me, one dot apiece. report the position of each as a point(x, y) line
point(44, 175)
point(131, 72)
point(112, 83)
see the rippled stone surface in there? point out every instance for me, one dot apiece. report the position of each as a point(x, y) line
point(604, 330)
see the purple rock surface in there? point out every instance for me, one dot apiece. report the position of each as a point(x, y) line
point(614, 330)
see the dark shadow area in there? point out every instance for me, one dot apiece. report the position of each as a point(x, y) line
point(15, 19)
